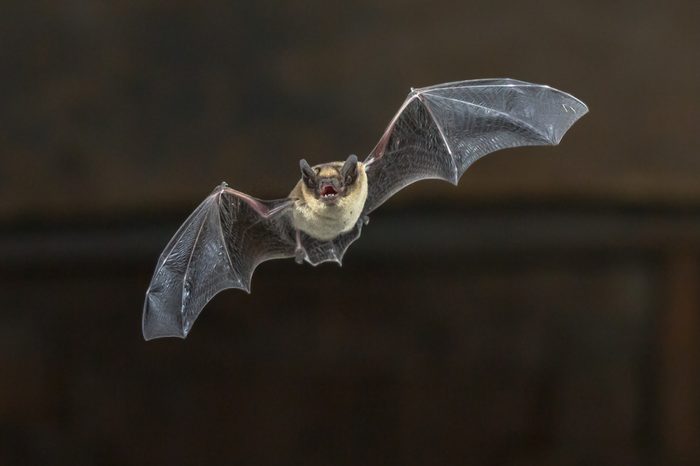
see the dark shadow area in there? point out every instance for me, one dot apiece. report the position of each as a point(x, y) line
point(544, 312)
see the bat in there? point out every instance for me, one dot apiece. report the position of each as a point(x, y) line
point(438, 132)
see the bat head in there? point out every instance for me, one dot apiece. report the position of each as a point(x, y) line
point(329, 182)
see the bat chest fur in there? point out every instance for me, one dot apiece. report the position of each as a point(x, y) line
point(325, 222)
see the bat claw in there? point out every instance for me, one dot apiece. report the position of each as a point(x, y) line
point(365, 219)
point(299, 256)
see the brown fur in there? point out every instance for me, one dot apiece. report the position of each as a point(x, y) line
point(322, 221)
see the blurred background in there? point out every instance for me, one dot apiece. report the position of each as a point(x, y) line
point(544, 312)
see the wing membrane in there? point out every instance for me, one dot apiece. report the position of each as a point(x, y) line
point(318, 251)
point(441, 130)
point(217, 247)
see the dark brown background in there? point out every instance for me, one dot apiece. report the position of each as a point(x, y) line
point(545, 312)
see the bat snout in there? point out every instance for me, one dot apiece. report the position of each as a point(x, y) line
point(329, 189)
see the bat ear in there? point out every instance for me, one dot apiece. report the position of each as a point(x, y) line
point(307, 173)
point(349, 168)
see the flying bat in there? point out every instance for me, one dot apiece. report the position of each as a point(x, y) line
point(438, 132)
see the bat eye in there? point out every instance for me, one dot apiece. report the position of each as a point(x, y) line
point(349, 180)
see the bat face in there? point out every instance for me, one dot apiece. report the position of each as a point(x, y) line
point(329, 182)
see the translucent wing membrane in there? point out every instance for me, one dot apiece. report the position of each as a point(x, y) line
point(441, 130)
point(318, 251)
point(218, 247)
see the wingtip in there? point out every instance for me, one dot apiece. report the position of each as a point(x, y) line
point(584, 107)
point(153, 329)
point(169, 335)
point(151, 334)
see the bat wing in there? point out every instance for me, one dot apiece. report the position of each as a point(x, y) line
point(441, 130)
point(218, 247)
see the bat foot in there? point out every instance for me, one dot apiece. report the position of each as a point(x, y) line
point(299, 256)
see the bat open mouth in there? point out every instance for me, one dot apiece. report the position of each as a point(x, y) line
point(328, 191)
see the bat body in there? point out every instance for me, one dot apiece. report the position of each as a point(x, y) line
point(438, 132)
point(316, 215)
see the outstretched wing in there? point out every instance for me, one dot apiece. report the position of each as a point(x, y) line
point(217, 247)
point(441, 130)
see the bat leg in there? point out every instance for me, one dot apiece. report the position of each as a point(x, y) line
point(299, 252)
